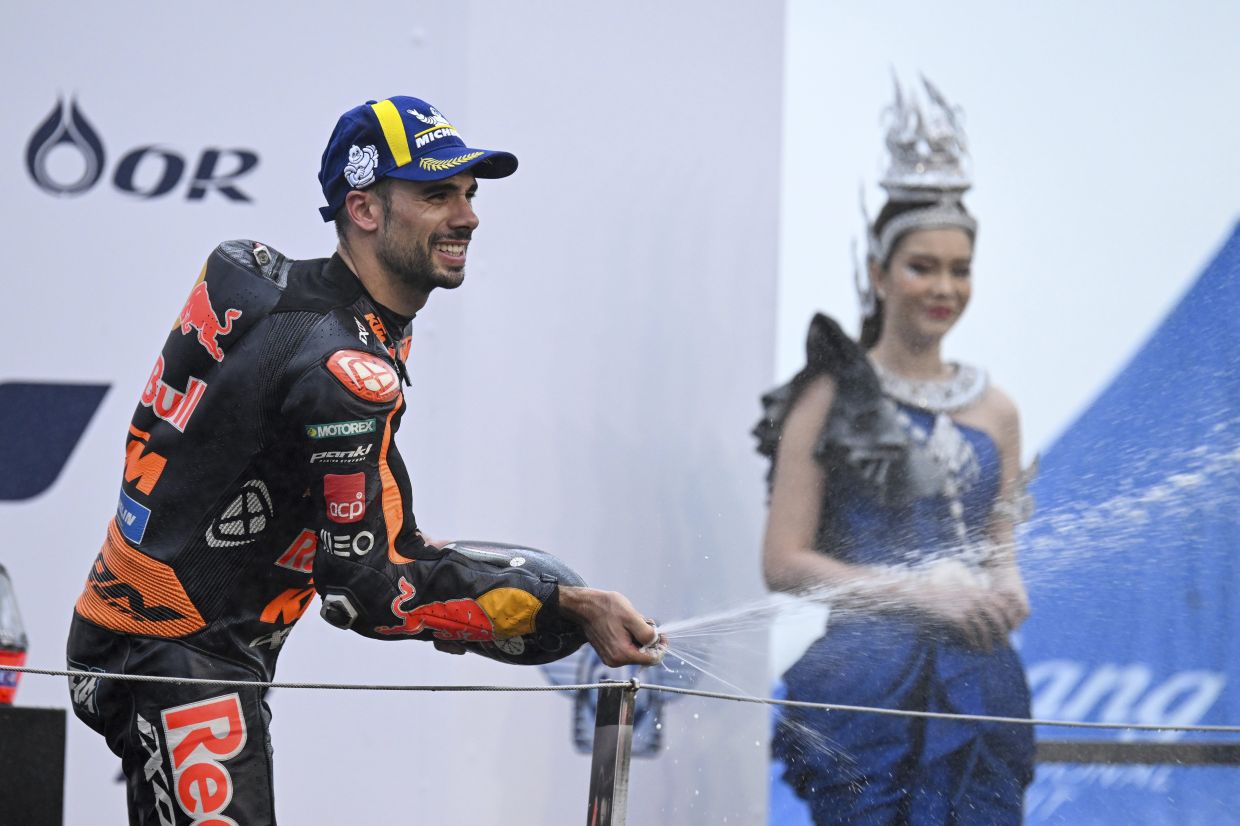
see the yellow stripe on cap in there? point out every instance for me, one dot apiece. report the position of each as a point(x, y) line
point(393, 130)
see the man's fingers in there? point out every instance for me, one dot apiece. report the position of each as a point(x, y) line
point(653, 628)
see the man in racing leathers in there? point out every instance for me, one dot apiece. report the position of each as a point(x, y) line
point(260, 467)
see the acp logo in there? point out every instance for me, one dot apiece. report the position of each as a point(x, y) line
point(66, 157)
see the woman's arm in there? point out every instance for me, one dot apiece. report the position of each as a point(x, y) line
point(789, 560)
point(1005, 571)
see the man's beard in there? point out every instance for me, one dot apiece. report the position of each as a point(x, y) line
point(413, 266)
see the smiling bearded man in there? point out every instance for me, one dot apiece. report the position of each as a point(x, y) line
point(261, 467)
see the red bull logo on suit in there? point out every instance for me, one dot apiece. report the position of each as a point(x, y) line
point(172, 405)
point(197, 314)
point(201, 737)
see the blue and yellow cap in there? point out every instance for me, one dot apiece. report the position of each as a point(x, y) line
point(401, 137)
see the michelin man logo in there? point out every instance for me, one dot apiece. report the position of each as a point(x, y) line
point(360, 170)
point(435, 118)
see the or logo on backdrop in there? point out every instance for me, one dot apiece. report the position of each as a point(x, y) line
point(65, 156)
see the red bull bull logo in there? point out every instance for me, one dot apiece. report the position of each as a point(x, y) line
point(453, 619)
point(197, 314)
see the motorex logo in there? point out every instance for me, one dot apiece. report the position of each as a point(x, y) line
point(65, 156)
point(41, 424)
point(357, 427)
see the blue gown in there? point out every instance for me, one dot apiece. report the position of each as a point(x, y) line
point(858, 768)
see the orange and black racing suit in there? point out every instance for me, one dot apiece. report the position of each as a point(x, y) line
point(260, 467)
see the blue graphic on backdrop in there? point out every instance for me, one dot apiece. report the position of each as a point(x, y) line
point(1132, 571)
point(41, 424)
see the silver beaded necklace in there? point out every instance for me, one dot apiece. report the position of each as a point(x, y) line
point(944, 444)
point(966, 385)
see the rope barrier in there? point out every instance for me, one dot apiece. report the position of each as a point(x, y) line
point(156, 678)
point(939, 715)
point(634, 685)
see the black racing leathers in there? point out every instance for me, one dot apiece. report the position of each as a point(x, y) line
point(260, 466)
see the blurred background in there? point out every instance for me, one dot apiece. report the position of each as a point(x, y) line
point(687, 196)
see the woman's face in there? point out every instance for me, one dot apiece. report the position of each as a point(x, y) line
point(927, 285)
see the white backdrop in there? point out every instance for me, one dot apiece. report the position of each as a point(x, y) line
point(589, 390)
point(1105, 168)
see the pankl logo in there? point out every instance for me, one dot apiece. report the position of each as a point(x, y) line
point(65, 156)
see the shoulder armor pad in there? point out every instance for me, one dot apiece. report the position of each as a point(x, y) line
point(257, 258)
point(225, 302)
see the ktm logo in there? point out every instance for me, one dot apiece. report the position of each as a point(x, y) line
point(147, 467)
point(287, 607)
point(366, 376)
point(197, 314)
point(377, 328)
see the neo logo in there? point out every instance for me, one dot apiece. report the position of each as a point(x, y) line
point(65, 156)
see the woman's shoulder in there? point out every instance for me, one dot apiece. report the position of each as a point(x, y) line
point(999, 404)
point(996, 414)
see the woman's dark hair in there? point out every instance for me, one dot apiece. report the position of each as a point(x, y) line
point(872, 324)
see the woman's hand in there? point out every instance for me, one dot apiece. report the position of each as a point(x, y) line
point(980, 611)
point(1007, 582)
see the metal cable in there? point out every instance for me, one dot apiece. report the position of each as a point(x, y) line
point(937, 715)
point(157, 678)
point(633, 685)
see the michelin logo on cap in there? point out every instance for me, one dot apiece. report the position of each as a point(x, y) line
point(435, 119)
point(360, 170)
point(440, 128)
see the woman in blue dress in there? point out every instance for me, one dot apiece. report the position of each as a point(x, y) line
point(895, 487)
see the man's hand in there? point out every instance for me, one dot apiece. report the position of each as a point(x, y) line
point(612, 625)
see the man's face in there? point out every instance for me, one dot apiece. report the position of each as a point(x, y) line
point(426, 229)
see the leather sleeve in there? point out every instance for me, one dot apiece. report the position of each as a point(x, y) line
point(375, 572)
